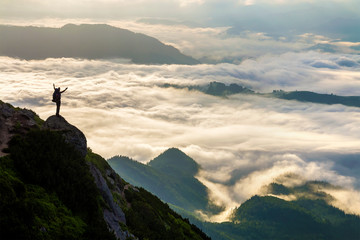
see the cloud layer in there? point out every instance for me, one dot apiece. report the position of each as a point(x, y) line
point(242, 142)
point(222, 43)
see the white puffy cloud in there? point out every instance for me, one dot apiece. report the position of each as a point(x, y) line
point(242, 142)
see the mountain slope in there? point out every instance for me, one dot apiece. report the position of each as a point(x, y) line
point(273, 218)
point(48, 190)
point(43, 159)
point(169, 176)
point(280, 219)
point(175, 163)
point(268, 217)
point(147, 217)
point(98, 41)
point(310, 216)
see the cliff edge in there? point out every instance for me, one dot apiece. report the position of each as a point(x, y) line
point(71, 134)
point(53, 187)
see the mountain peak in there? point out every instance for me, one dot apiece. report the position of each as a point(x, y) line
point(174, 161)
point(174, 152)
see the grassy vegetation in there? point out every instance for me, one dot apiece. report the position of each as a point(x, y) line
point(147, 216)
point(170, 176)
point(309, 217)
point(274, 218)
point(29, 212)
point(47, 191)
point(150, 218)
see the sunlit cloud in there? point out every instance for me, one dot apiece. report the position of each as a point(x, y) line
point(251, 182)
point(242, 142)
point(348, 200)
point(214, 44)
point(185, 3)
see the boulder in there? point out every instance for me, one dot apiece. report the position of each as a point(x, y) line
point(71, 133)
point(113, 214)
point(15, 121)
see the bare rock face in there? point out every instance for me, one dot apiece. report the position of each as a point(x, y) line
point(113, 215)
point(15, 121)
point(71, 133)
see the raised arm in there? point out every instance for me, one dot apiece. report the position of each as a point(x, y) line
point(64, 90)
point(54, 85)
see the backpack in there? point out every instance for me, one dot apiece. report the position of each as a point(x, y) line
point(56, 95)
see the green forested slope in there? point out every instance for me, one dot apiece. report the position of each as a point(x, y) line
point(170, 176)
point(48, 191)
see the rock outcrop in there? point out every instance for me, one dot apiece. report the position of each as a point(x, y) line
point(71, 133)
point(15, 121)
point(64, 193)
point(113, 215)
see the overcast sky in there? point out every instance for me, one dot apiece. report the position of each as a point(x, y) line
point(202, 11)
point(210, 30)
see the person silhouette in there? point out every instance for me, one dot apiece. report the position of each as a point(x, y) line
point(57, 98)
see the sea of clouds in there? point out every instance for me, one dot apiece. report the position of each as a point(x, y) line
point(242, 142)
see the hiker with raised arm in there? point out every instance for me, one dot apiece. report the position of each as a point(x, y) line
point(57, 98)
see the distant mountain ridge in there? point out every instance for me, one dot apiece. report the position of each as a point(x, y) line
point(307, 96)
point(270, 218)
point(308, 216)
point(89, 41)
point(222, 90)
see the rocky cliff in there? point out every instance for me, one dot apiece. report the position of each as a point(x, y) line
point(15, 121)
point(53, 187)
point(71, 134)
point(113, 215)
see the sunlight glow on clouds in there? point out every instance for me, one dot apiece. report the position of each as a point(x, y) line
point(185, 3)
point(214, 44)
point(242, 142)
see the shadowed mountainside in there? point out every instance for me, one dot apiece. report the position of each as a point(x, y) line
point(88, 41)
point(309, 216)
point(170, 176)
point(270, 218)
point(49, 190)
